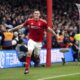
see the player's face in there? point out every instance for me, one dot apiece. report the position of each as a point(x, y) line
point(36, 14)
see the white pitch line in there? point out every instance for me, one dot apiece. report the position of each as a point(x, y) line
point(58, 76)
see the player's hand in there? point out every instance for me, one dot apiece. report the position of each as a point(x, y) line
point(9, 30)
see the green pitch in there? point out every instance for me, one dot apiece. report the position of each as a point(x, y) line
point(70, 71)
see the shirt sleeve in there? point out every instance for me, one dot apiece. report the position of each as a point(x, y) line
point(26, 23)
point(45, 25)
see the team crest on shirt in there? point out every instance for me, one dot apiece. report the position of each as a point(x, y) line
point(39, 24)
point(32, 23)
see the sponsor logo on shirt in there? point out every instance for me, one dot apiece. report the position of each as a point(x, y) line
point(35, 27)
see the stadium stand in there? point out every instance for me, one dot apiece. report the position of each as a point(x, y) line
point(65, 17)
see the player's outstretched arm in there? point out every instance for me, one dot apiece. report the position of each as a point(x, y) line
point(16, 28)
point(52, 31)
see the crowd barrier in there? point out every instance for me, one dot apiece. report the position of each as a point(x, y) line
point(56, 55)
point(9, 58)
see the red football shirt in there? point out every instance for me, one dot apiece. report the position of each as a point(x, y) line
point(36, 29)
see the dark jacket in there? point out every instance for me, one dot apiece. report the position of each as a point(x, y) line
point(1, 38)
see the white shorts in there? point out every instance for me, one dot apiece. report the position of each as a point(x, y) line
point(36, 46)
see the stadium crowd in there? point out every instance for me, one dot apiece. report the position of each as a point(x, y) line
point(65, 21)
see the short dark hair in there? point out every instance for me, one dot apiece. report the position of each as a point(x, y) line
point(35, 10)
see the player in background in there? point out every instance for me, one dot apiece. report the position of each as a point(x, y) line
point(36, 26)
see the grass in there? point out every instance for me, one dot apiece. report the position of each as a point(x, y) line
point(42, 72)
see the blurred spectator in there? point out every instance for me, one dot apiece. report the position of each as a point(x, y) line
point(8, 36)
point(75, 49)
point(60, 40)
point(1, 36)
